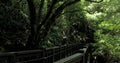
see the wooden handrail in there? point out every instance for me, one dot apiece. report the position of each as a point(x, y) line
point(43, 56)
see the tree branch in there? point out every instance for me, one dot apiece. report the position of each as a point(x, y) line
point(59, 10)
point(49, 12)
point(40, 10)
point(56, 14)
point(94, 1)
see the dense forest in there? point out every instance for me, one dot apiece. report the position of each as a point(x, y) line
point(37, 24)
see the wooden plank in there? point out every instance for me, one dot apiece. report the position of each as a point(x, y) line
point(71, 59)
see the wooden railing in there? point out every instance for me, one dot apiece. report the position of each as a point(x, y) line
point(47, 55)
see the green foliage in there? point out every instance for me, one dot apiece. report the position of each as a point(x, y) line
point(67, 28)
point(105, 18)
point(13, 27)
point(50, 23)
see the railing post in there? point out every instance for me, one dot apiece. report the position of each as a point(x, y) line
point(44, 55)
point(89, 58)
point(12, 58)
point(86, 57)
point(91, 51)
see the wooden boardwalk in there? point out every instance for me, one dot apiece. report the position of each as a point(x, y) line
point(73, 53)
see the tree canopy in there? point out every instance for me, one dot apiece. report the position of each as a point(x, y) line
point(37, 24)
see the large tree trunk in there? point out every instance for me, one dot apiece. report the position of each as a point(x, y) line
point(32, 12)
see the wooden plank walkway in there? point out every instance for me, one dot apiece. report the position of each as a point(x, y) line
point(71, 59)
point(75, 58)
